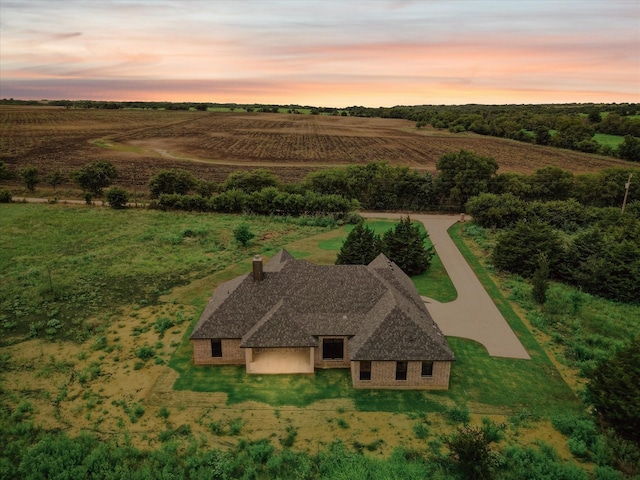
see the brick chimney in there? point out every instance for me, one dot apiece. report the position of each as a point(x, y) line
point(258, 274)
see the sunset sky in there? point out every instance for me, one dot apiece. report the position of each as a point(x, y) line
point(334, 53)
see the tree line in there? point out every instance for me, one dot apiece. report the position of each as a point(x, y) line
point(375, 186)
point(595, 249)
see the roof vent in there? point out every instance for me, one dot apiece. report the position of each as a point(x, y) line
point(258, 273)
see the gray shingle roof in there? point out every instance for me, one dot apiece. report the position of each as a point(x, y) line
point(376, 306)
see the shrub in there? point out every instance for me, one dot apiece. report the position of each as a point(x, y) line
point(30, 177)
point(342, 423)
point(459, 414)
point(145, 352)
point(471, 453)
point(5, 196)
point(162, 325)
point(235, 426)
point(117, 197)
point(292, 433)
point(421, 430)
point(243, 234)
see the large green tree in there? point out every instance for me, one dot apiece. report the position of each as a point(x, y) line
point(360, 247)
point(405, 246)
point(463, 175)
point(176, 180)
point(31, 177)
point(55, 178)
point(517, 250)
point(249, 182)
point(551, 183)
point(614, 391)
point(95, 177)
point(629, 149)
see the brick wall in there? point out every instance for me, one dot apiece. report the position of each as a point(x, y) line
point(232, 354)
point(383, 375)
point(321, 363)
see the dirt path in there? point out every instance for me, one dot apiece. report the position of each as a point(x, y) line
point(473, 314)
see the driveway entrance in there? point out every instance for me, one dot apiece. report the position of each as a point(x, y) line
point(473, 314)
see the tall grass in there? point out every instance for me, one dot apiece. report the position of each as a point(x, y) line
point(61, 265)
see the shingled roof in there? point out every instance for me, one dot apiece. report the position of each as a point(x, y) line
point(376, 306)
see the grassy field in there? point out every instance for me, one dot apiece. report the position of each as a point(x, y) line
point(130, 372)
point(63, 265)
point(612, 141)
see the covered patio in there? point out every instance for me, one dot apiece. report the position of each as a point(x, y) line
point(279, 360)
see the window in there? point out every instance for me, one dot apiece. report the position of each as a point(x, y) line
point(332, 348)
point(365, 370)
point(216, 347)
point(401, 370)
point(427, 369)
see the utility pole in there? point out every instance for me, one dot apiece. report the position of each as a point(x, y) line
point(626, 192)
point(135, 196)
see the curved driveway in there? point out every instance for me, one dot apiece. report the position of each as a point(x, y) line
point(473, 314)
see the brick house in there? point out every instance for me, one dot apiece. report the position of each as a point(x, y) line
point(292, 316)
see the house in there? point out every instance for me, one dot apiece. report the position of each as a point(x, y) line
point(293, 316)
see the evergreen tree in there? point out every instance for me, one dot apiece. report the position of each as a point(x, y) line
point(540, 280)
point(404, 245)
point(361, 246)
point(614, 391)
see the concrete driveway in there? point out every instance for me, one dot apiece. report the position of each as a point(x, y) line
point(473, 314)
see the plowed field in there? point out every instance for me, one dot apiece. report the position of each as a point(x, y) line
point(211, 145)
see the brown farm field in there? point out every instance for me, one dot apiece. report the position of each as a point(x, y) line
point(214, 144)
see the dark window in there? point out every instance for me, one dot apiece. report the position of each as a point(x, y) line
point(333, 348)
point(427, 369)
point(216, 347)
point(401, 370)
point(365, 370)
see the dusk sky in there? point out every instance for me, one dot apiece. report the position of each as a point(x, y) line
point(333, 53)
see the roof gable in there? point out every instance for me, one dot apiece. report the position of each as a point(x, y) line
point(376, 306)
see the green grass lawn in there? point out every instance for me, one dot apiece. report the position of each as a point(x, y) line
point(612, 141)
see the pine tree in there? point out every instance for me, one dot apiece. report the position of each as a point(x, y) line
point(540, 280)
point(404, 245)
point(361, 246)
point(614, 391)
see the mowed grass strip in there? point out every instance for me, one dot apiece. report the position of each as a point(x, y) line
point(535, 384)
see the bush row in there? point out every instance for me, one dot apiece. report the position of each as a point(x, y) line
point(268, 201)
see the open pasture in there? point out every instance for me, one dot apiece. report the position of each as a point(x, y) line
point(214, 144)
